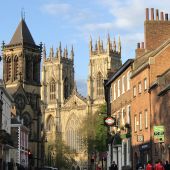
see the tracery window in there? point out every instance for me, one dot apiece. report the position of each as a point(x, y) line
point(73, 137)
point(100, 87)
point(50, 123)
point(52, 90)
point(15, 67)
point(8, 68)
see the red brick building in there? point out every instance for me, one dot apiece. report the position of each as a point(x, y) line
point(160, 94)
point(119, 107)
point(152, 59)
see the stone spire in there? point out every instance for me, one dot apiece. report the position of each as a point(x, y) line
point(114, 45)
point(44, 52)
point(51, 53)
point(108, 43)
point(65, 55)
point(72, 53)
point(119, 46)
point(98, 45)
point(59, 51)
point(90, 44)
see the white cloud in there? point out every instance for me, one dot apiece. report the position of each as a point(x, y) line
point(56, 8)
point(98, 26)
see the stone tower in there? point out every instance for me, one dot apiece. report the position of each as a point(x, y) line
point(57, 76)
point(57, 86)
point(21, 74)
point(102, 63)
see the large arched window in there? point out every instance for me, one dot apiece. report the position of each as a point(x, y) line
point(50, 123)
point(52, 90)
point(100, 86)
point(66, 88)
point(15, 67)
point(73, 137)
point(8, 68)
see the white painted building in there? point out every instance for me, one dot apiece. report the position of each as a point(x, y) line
point(5, 128)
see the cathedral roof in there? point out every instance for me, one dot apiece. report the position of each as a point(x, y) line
point(22, 34)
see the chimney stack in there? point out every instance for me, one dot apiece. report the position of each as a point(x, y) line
point(162, 16)
point(142, 45)
point(157, 14)
point(138, 45)
point(166, 17)
point(152, 14)
point(147, 14)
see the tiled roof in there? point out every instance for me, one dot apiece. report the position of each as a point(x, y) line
point(22, 34)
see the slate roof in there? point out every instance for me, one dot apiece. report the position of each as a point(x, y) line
point(22, 34)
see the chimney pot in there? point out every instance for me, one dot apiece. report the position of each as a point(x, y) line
point(157, 14)
point(166, 17)
point(152, 13)
point(142, 45)
point(138, 45)
point(147, 14)
point(162, 16)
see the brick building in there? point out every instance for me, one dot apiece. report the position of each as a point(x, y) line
point(152, 59)
point(160, 103)
point(119, 106)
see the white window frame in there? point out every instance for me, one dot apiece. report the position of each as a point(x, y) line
point(146, 119)
point(123, 116)
point(128, 80)
point(134, 91)
point(139, 87)
point(145, 84)
point(135, 123)
point(114, 93)
point(123, 84)
point(128, 113)
point(118, 88)
point(140, 121)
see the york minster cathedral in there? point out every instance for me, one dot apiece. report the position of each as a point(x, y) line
point(53, 104)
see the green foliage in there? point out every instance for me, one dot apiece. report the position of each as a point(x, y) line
point(64, 156)
point(94, 131)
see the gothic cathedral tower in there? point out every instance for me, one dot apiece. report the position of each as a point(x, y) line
point(21, 74)
point(102, 63)
point(57, 86)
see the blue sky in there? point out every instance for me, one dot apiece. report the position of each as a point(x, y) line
point(73, 21)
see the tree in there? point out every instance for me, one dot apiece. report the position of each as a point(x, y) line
point(94, 131)
point(60, 155)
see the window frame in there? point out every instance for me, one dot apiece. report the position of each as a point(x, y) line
point(139, 87)
point(140, 121)
point(134, 91)
point(145, 84)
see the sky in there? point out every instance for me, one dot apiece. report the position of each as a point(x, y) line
point(73, 22)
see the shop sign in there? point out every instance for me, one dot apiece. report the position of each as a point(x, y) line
point(140, 138)
point(158, 134)
point(110, 121)
point(144, 147)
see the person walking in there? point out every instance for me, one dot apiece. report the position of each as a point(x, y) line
point(167, 165)
point(113, 166)
point(159, 166)
point(149, 166)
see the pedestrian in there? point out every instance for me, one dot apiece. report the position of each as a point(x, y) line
point(139, 166)
point(113, 166)
point(159, 166)
point(149, 166)
point(167, 165)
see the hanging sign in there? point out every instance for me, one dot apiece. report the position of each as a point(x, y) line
point(110, 121)
point(158, 134)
